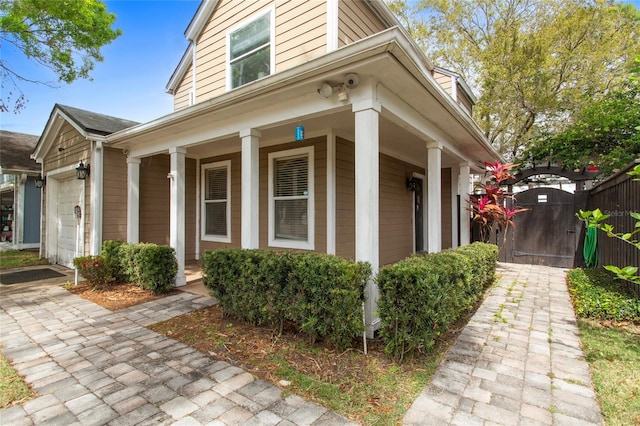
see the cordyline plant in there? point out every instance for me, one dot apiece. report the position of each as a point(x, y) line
point(493, 209)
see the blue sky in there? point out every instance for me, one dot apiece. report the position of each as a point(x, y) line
point(131, 81)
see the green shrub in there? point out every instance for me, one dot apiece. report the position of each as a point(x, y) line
point(322, 294)
point(156, 267)
point(597, 295)
point(421, 296)
point(111, 253)
point(93, 269)
point(150, 266)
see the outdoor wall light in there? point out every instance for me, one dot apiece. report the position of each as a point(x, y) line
point(39, 181)
point(82, 171)
point(412, 184)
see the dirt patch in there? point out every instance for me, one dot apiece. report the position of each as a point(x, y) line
point(116, 296)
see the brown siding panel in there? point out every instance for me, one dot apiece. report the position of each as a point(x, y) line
point(345, 199)
point(114, 202)
point(154, 199)
point(356, 21)
point(446, 208)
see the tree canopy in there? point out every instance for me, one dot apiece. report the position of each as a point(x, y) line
point(536, 64)
point(64, 36)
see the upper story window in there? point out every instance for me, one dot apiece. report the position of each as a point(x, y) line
point(216, 202)
point(291, 199)
point(250, 51)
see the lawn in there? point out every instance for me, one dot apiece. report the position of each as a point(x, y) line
point(611, 344)
point(17, 258)
point(13, 389)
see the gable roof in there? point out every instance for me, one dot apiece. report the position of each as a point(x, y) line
point(94, 123)
point(15, 151)
point(91, 125)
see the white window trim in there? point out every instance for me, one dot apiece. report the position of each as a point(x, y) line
point(272, 28)
point(203, 204)
point(303, 245)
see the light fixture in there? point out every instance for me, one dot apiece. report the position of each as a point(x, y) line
point(82, 171)
point(39, 181)
point(326, 90)
point(61, 148)
point(412, 184)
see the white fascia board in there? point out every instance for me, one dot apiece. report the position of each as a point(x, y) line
point(181, 70)
point(200, 19)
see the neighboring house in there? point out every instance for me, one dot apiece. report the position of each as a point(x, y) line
point(19, 197)
point(380, 171)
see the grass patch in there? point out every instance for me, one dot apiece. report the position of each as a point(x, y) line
point(17, 258)
point(613, 354)
point(608, 319)
point(13, 389)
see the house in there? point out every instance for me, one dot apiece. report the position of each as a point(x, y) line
point(314, 125)
point(19, 196)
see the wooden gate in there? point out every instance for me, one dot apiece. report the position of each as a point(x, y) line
point(548, 233)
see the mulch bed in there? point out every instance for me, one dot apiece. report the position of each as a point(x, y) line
point(116, 296)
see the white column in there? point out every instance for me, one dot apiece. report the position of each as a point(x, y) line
point(331, 193)
point(97, 189)
point(464, 189)
point(19, 182)
point(367, 198)
point(133, 200)
point(434, 197)
point(177, 210)
point(250, 209)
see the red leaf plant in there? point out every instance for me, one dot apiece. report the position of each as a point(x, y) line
point(494, 208)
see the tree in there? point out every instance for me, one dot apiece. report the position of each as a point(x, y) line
point(535, 63)
point(65, 37)
point(605, 133)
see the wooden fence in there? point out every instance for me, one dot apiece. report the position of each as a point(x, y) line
point(618, 196)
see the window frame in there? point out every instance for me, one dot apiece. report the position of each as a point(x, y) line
point(226, 164)
point(309, 244)
point(272, 44)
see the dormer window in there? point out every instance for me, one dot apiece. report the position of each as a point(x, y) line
point(250, 50)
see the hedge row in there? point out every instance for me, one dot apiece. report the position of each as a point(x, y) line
point(321, 294)
point(151, 266)
point(421, 296)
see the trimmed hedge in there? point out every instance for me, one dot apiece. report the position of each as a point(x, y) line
point(93, 269)
point(150, 266)
point(421, 296)
point(322, 294)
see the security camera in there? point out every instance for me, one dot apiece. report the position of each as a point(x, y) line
point(351, 81)
point(125, 151)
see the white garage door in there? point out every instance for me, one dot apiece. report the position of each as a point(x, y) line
point(70, 193)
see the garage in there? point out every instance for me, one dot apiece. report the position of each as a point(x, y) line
point(69, 229)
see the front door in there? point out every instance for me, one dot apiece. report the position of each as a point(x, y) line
point(418, 206)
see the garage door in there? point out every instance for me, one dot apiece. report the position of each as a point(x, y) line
point(70, 193)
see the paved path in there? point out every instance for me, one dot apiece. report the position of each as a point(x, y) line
point(91, 366)
point(517, 362)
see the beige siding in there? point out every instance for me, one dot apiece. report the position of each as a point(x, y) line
point(300, 36)
point(69, 148)
point(356, 21)
point(236, 200)
point(345, 199)
point(465, 102)
point(181, 95)
point(154, 199)
point(443, 80)
point(320, 190)
point(396, 210)
point(445, 186)
point(114, 202)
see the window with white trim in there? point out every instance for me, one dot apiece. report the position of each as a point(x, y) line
point(291, 199)
point(216, 202)
point(250, 50)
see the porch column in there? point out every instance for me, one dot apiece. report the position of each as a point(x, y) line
point(464, 189)
point(133, 200)
point(250, 209)
point(97, 189)
point(177, 210)
point(434, 197)
point(367, 150)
